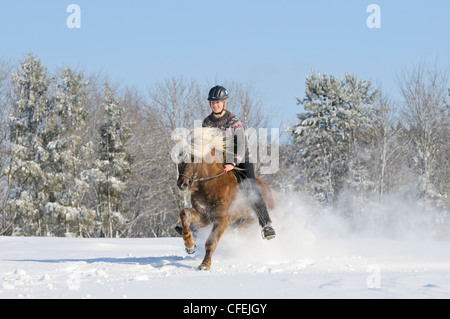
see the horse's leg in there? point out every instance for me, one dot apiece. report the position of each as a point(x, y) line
point(219, 226)
point(188, 216)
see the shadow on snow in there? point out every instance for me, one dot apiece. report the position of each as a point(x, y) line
point(156, 262)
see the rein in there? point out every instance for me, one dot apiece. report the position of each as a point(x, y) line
point(203, 179)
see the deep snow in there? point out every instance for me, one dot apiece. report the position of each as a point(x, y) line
point(313, 256)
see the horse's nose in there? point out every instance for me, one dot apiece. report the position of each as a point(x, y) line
point(183, 185)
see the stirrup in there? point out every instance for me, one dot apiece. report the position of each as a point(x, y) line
point(268, 232)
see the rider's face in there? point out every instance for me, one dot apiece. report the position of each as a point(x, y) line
point(217, 106)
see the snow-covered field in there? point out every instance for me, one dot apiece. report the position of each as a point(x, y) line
point(312, 257)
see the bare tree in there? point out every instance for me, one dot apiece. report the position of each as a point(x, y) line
point(245, 101)
point(177, 102)
point(426, 116)
point(387, 143)
point(172, 104)
point(147, 194)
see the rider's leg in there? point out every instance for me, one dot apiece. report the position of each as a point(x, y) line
point(248, 174)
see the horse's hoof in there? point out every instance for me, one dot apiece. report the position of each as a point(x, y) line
point(191, 250)
point(204, 267)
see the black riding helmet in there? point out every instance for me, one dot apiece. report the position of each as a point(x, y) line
point(218, 93)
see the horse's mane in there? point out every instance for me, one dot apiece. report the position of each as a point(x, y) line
point(201, 142)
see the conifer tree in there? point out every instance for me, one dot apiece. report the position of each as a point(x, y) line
point(28, 125)
point(113, 165)
point(66, 165)
point(335, 110)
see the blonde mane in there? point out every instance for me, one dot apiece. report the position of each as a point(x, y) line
point(200, 143)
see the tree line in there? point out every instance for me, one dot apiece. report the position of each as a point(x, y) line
point(358, 150)
point(81, 156)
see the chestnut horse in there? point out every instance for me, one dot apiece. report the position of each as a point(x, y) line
point(213, 192)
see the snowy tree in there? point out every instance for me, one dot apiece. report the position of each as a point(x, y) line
point(335, 111)
point(66, 166)
point(28, 126)
point(6, 219)
point(113, 167)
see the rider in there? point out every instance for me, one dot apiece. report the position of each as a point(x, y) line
point(222, 119)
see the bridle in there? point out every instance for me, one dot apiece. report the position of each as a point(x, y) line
point(202, 179)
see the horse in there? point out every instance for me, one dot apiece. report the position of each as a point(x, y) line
point(214, 193)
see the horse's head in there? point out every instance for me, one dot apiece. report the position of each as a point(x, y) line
point(187, 172)
point(198, 152)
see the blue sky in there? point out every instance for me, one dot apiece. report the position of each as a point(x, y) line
point(273, 44)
